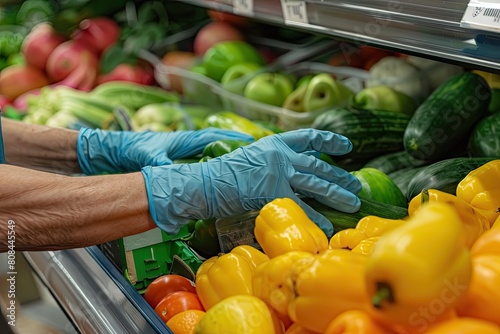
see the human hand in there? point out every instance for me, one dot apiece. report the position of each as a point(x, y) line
point(277, 166)
point(124, 151)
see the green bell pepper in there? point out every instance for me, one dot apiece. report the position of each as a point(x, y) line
point(223, 55)
point(222, 146)
point(232, 121)
point(204, 239)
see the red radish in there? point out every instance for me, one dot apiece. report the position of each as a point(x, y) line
point(18, 79)
point(100, 32)
point(84, 76)
point(213, 33)
point(71, 57)
point(180, 59)
point(127, 72)
point(39, 44)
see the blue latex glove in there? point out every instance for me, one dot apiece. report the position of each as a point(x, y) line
point(102, 151)
point(246, 179)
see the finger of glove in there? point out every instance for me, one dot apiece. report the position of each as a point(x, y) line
point(324, 224)
point(192, 143)
point(316, 140)
point(225, 134)
point(326, 192)
point(310, 165)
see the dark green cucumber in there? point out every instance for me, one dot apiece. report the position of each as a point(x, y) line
point(484, 140)
point(369, 207)
point(372, 132)
point(446, 116)
point(392, 162)
point(402, 177)
point(443, 175)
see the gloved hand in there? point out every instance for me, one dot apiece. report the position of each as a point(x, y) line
point(246, 179)
point(124, 151)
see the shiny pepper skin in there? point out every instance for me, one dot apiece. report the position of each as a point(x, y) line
point(481, 188)
point(236, 267)
point(282, 226)
point(474, 223)
point(422, 263)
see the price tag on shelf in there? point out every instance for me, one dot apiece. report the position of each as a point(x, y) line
point(243, 7)
point(294, 11)
point(482, 15)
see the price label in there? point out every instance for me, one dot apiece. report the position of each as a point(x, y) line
point(294, 11)
point(482, 15)
point(243, 7)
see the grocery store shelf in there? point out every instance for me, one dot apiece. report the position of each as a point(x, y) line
point(422, 27)
point(93, 293)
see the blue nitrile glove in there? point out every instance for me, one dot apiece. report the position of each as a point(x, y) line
point(246, 179)
point(102, 151)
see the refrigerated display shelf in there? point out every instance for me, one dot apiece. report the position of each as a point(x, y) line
point(426, 28)
point(93, 293)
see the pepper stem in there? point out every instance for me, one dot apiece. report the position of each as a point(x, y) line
point(425, 196)
point(384, 293)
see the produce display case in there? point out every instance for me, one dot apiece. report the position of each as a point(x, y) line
point(424, 27)
point(94, 285)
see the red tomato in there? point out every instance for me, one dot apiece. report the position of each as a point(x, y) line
point(177, 302)
point(165, 285)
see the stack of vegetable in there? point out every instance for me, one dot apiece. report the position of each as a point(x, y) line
point(433, 270)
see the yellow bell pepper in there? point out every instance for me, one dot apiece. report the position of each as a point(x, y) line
point(366, 246)
point(369, 226)
point(482, 296)
point(374, 226)
point(269, 282)
point(346, 239)
point(226, 275)
point(463, 326)
point(488, 243)
point(355, 322)
point(418, 272)
point(488, 203)
point(485, 179)
point(283, 226)
point(239, 314)
point(474, 223)
point(251, 254)
point(324, 286)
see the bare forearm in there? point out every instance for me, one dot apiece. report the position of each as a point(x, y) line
point(40, 147)
point(53, 211)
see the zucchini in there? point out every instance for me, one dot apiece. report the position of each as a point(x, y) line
point(372, 132)
point(402, 177)
point(369, 207)
point(443, 175)
point(484, 140)
point(392, 162)
point(446, 116)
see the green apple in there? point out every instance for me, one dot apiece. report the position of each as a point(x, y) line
point(324, 91)
point(200, 69)
point(304, 80)
point(295, 101)
point(237, 76)
point(269, 88)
